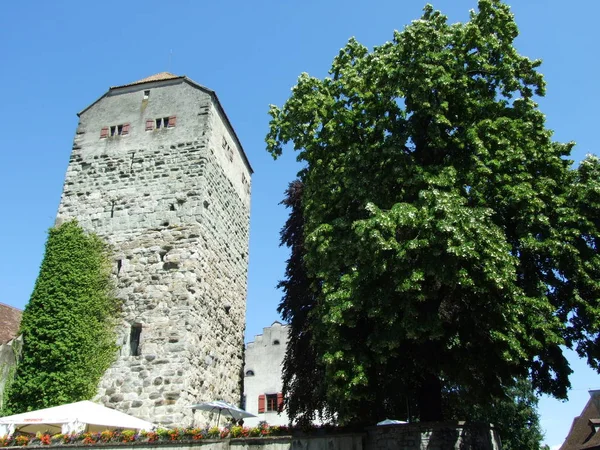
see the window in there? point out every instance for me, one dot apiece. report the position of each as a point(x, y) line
point(249, 373)
point(228, 149)
point(161, 122)
point(134, 339)
point(146, 95)
point(276, 342)
point(114, 130)
point(270, 402)
point(246, 184)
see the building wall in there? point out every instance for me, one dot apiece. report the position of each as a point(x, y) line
point(263, 371)
point(10, 353)
point(176, 213)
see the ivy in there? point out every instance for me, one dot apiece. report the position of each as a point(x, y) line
point(68, 326)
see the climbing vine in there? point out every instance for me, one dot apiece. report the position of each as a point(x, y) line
point(68, 326)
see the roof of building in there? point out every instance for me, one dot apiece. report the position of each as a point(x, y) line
point(167, 76)
point(162, 76)
point(10, 320)
point(582, 434)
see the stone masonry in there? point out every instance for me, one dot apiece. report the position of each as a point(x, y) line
point(158, 171)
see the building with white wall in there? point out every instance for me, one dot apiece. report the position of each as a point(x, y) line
point(263, 376)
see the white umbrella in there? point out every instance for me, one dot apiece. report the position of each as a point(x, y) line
point(223, 408)
point(71, 417)
point(390, 422)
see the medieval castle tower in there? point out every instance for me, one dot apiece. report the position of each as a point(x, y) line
point(158, 171)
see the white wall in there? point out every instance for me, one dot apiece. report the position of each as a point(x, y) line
point(265, 358)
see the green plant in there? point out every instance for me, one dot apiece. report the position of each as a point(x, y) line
point(22, 440)
point(128, 436)
point(236, 431)
point(68, 324)
point(214, 432)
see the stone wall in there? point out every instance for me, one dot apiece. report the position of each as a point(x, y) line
point(429, 436)
point(9, 355)
point(434, 436)
point(174, 206)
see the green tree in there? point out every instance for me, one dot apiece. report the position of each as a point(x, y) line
point(303, 372)
point(447, 239)
point(515, 416)
point(68, 324)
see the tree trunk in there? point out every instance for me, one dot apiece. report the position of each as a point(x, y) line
point(430, 399)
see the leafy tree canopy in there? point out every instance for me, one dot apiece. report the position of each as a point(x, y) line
point(446, 238)
point(515, 416)
point(68, 324)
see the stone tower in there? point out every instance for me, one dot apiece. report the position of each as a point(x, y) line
point(158, 171)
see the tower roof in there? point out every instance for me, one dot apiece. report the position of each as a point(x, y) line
point(162, 76)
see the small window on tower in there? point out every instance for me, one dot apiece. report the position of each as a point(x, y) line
point(146, 95)
point(134, 339)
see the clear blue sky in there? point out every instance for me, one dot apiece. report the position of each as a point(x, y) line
point(58, 57)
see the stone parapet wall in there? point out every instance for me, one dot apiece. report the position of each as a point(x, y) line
point(427, 436)
point(9, 355)
point(434, 436)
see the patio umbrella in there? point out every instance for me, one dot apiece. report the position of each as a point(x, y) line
point(84, 415)
point(390, 422)
point(224, 408)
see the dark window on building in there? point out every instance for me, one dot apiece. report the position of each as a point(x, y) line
point(164, 122)
point(276, 342)
point(228, 149)
point(114, 130)
point(134, 339)
point(274, 402)
point(146, 95)
point(271, 402)
point(249, 373)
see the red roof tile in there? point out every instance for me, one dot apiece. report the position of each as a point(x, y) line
point(10, 320)
point(156, 77)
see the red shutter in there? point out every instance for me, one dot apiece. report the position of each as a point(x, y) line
point(172, 120)
point(261, 403)
point(149, 124)
point(104, 132)
point(125, 130)
point(279, 401)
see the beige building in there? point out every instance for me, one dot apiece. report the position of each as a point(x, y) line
point(262, 376)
